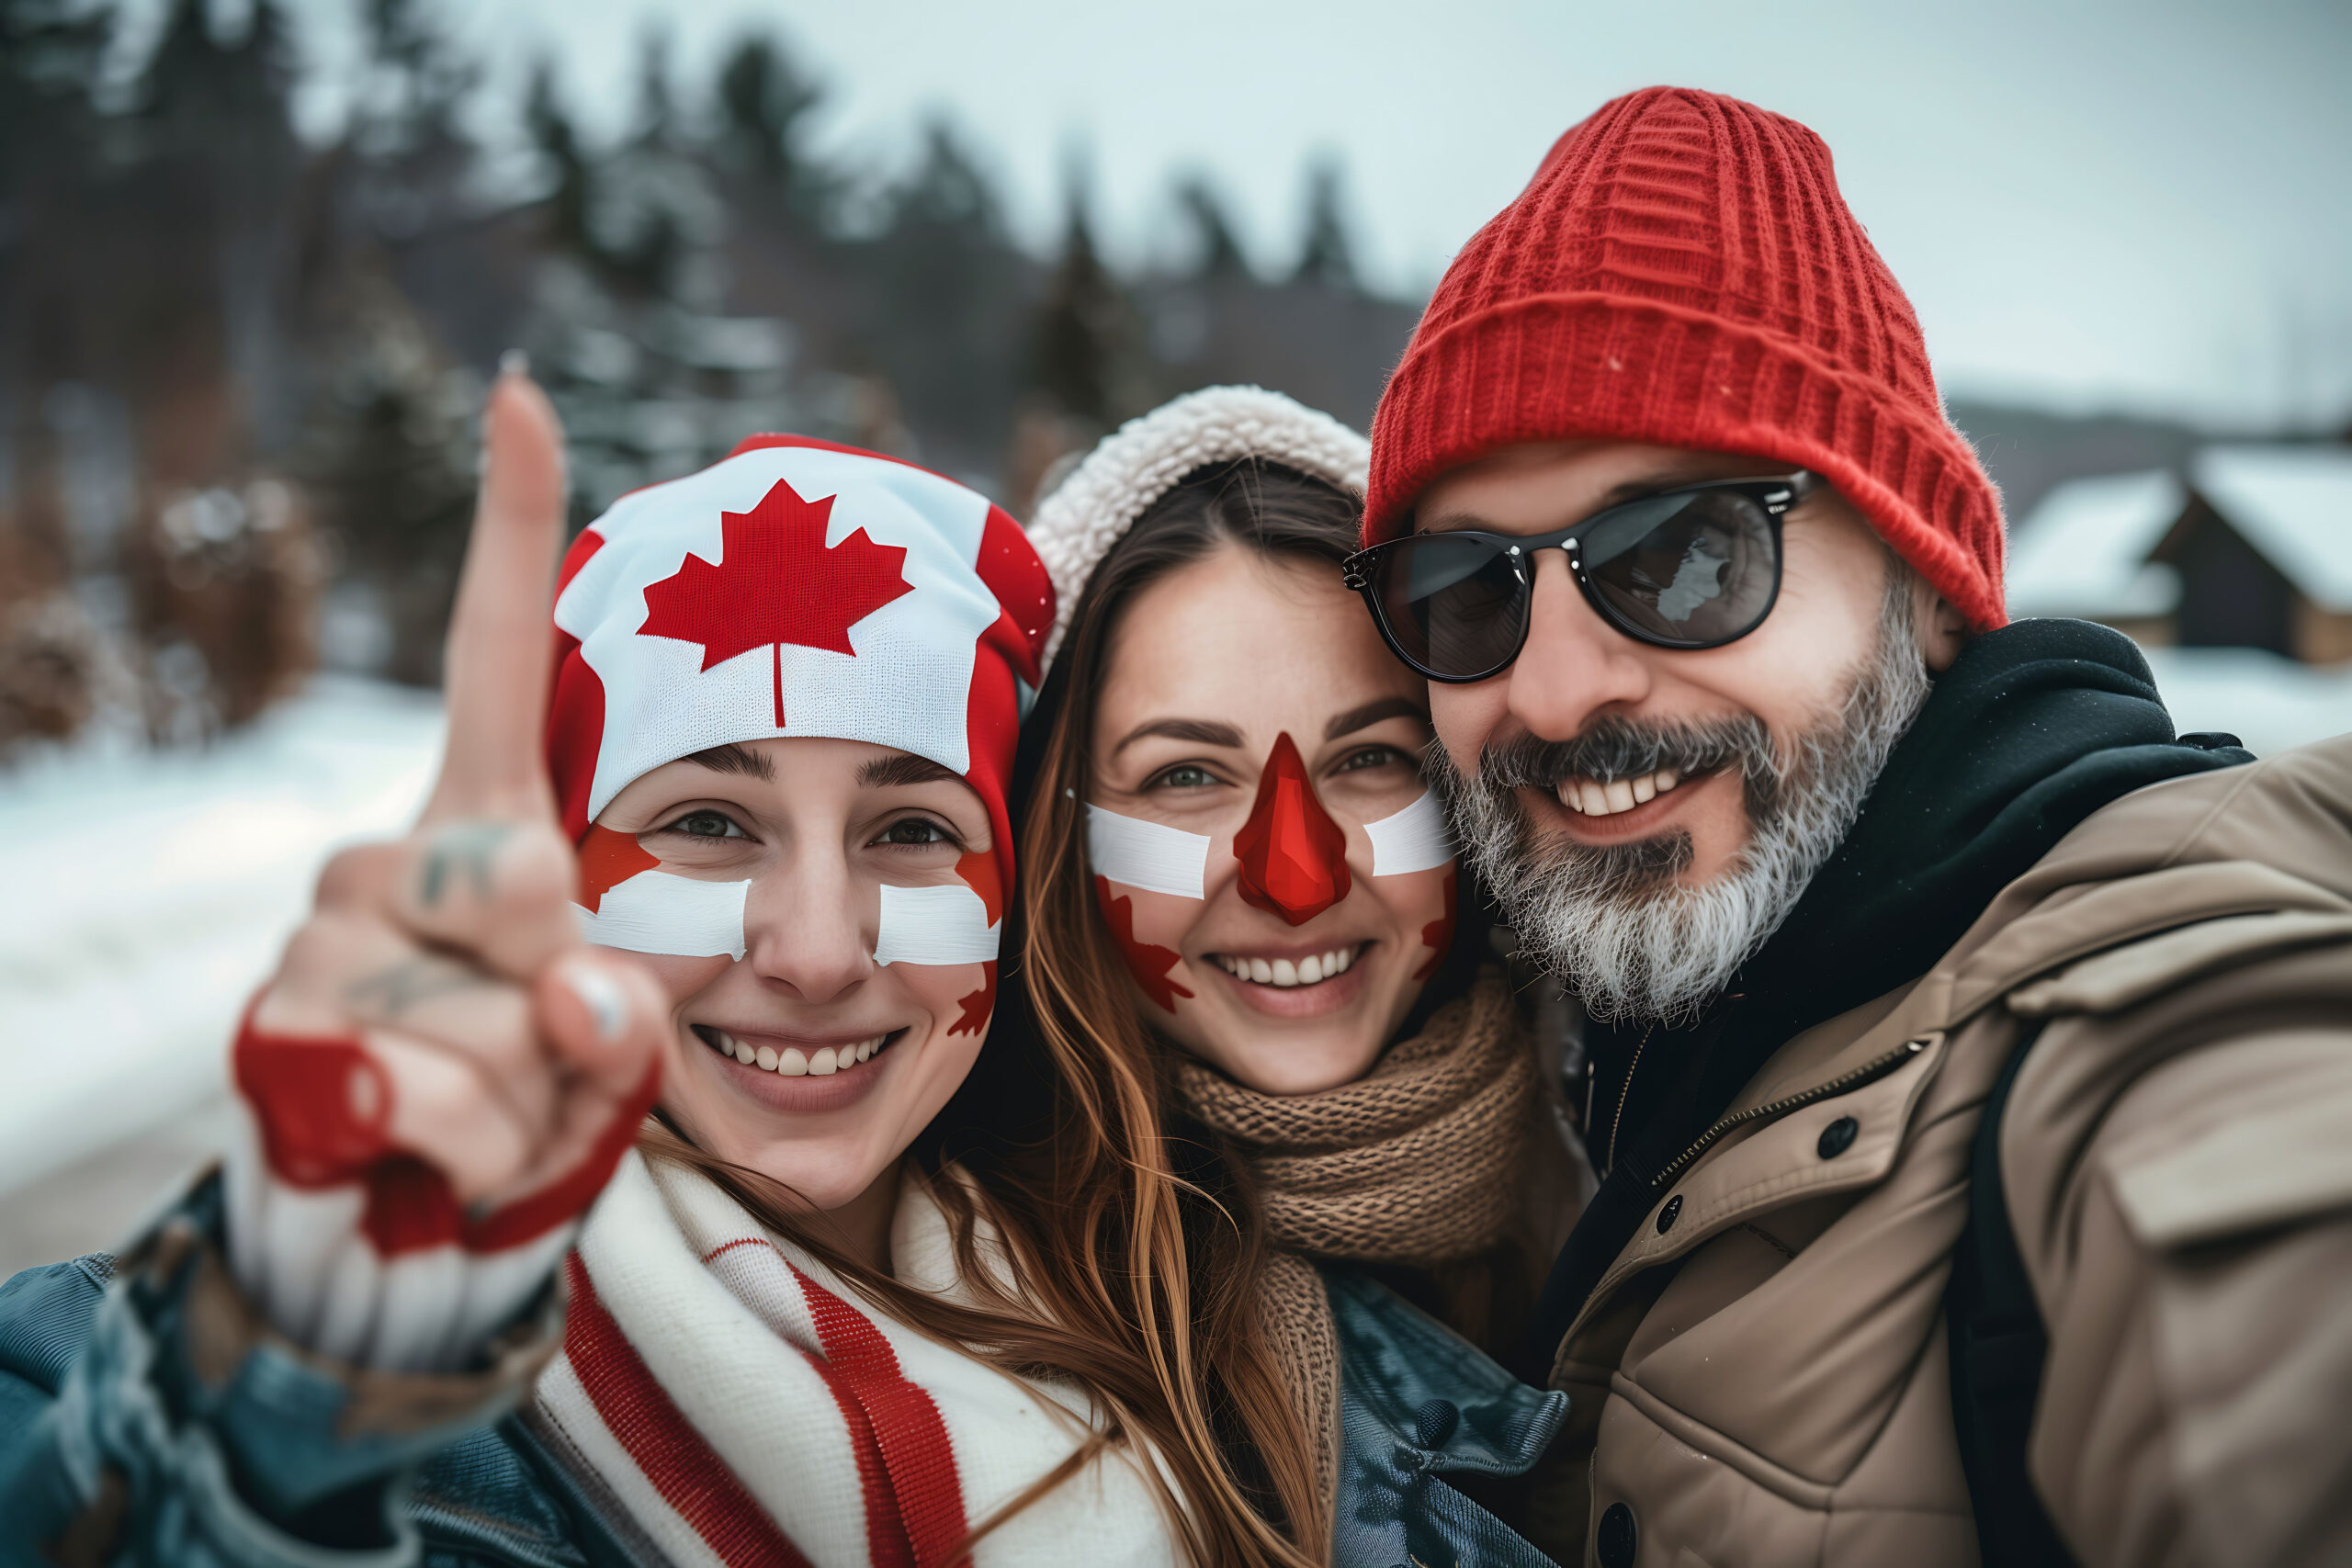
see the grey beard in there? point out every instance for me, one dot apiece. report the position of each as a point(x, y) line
point(1612, 920)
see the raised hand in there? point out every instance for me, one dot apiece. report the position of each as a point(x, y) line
point(438, 1047)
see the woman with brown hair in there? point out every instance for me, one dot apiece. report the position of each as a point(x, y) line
point(1245, 909)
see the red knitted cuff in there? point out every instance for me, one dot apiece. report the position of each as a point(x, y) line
point(323, 1108)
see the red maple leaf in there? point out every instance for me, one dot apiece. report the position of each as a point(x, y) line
point(1438, 935)
point(609, 859)
point(979, 1005)
point(1148, 964)
point(979, 873)
point(776, 583)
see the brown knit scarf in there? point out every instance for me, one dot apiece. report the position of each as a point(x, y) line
point(1420, 1162)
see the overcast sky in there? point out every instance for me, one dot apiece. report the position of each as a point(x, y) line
point(2132, 204)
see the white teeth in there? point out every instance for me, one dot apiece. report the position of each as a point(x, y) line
point(1312, 970)
point(1592, 798)
point(792, 1061)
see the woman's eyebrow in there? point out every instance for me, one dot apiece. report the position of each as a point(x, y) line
point(733, 758)
point(889, 773)
point(1204, 731)
point(1372, 713)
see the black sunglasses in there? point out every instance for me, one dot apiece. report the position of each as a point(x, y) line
point(1697, 566)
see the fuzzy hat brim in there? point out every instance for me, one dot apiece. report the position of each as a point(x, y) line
point(1093, 507)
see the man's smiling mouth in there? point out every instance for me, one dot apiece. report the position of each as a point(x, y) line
point(1594, 797)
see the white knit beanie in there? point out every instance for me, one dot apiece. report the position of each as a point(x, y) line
point(1089, 511)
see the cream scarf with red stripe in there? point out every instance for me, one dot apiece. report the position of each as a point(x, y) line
point(730, 1401)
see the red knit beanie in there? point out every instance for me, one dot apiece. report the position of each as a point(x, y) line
point(1682, 271)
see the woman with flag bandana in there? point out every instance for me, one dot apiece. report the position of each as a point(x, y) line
point(834, 1301)
point(1244, 906)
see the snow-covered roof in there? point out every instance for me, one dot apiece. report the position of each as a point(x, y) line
point(2292, 504)
point(2083, 551)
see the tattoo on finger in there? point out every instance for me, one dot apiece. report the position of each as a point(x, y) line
point(390, 992)
point(467, 847)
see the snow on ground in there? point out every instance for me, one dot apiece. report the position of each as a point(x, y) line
point(153, 892)
point(2271, 704)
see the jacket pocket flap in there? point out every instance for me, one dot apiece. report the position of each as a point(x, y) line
point(2245, 1177)
point(2125, 976)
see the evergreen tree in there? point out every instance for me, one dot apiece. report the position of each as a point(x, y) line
point(1219, 254)
point(414, 82)
point(390, 459)
point(764, 100)
point(1078, 318)
point(409, 160)
point(558, 140)
point(948, 297)
point(1326, 258)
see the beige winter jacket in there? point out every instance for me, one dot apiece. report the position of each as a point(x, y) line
point(1761, 1377)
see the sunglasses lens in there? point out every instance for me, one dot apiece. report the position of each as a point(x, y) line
point(1695, 569)
point(1453, 602)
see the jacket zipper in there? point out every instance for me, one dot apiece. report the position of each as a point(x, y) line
point(1869, 1072)
point(1617, 1122)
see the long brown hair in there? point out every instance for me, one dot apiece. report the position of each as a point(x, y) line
point(1205, 1219)
point(1132, 1253)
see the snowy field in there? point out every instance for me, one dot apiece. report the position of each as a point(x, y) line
point(153, 891)
point(156, 889)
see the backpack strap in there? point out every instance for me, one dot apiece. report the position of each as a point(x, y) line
point(1998, 1344)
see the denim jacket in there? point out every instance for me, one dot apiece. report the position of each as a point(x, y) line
point(147, 1417)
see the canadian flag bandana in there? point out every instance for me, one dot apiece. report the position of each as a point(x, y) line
point(797, 587)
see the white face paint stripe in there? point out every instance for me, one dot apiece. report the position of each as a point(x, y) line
point(658, 911)
point(1157, 859)
point(1415, 839)
point(947, 924)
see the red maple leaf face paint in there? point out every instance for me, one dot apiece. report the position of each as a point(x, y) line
point(1438, 935)
point(609, 859)
point(1293, 857)
point(976, 1008)
point(778, 583)
point(1148, 964)
point(980, 872)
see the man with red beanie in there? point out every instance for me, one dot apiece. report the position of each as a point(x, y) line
point(1971, 1056)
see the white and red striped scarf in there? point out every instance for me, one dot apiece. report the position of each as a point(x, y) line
point(733, 1403)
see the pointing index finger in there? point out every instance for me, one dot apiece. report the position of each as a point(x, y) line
point(500, 647)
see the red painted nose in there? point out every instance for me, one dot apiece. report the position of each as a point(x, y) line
point(1293, 857)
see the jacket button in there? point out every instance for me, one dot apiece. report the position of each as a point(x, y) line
point(1666, 1218)
point(1837, 1137)
point(1614, 1541)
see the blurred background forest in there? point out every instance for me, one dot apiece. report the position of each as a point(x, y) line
point(239, 372)
point(242, 351)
